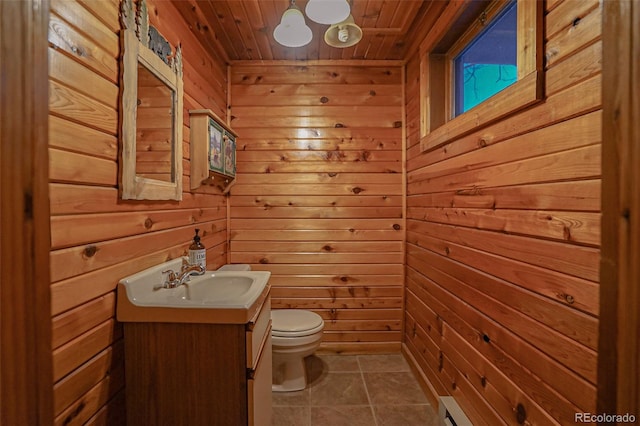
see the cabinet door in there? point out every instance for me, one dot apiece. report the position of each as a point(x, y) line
point(216, 146)
point(259, 388)
point(256, 333)
point(229, 154)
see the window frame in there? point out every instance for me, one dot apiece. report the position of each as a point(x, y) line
point(437, 127)
point(492, 12)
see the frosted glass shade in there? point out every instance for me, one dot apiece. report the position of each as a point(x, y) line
point(292, 30)
point(327, 12)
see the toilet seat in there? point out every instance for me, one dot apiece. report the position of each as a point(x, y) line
point(295, 323)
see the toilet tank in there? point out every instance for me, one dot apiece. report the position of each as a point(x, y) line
point(235, 267)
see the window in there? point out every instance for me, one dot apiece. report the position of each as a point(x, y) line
point(484, 65)
point(488, 63)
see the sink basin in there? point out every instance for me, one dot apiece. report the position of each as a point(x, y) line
point(214, 297)
point(223, 288)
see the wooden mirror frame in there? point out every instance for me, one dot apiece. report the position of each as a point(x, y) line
point(134, 38)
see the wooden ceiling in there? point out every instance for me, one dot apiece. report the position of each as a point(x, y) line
point(243, 29)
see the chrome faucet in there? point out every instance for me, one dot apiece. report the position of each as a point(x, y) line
point(186, 271)
point(176, 279)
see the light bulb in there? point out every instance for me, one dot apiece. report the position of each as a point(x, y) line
point(343, 34)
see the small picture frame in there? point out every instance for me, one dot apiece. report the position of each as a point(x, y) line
point(216, 147)
point(229, 154)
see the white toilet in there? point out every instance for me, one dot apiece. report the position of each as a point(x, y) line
point(295, 334)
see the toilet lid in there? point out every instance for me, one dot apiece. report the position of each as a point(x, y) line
point(295, 322)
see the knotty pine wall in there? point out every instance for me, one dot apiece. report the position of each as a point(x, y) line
point(97, 239)
point(503, 236)
point(319, 194)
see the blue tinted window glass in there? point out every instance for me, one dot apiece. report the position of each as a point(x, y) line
point(488, 64)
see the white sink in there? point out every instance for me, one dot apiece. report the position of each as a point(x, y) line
point(215, 297)
point(225, 288)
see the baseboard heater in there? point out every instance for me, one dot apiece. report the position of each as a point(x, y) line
point(450, 413)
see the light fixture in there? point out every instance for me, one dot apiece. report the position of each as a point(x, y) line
point(292, 31)
point(327, 12)
point(343, 34)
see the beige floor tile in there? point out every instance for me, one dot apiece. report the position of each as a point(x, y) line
point(337, 363)
point(405, 415)
point(355, 390)
point(339, 389)
point(394, 388)
point(291, 416)
point(383, 363)
point(297, 398)
point(342, 415)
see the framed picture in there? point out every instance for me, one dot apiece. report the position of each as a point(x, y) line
point(213, 150)
point(216, 147)
point(229, 154)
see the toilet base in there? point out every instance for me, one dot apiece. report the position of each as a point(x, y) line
point(291, 345)
point(289, 375)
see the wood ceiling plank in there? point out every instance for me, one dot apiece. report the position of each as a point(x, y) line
point(260, 28)
point(271, 12)
point(383, 39)
point(244, 30)
point(191, 11)
point(220, 17)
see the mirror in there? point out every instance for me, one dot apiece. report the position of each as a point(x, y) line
point(151, 112)
point(154, 127)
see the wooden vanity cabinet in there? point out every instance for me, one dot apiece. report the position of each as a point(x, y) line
point(199, 374)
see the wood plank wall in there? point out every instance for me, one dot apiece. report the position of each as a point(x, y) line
point(319, 194)
point(96, 238)
point(503, 235)
point(619, 343)
point(26, 375)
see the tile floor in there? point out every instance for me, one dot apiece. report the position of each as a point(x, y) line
point(355, 390)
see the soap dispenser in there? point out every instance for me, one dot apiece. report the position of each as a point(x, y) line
point(197, 252)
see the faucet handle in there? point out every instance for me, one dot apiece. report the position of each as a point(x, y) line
point(192, 267)
point(185, 264)
point(171, 280)
point(197, 268)
point(171, 274)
